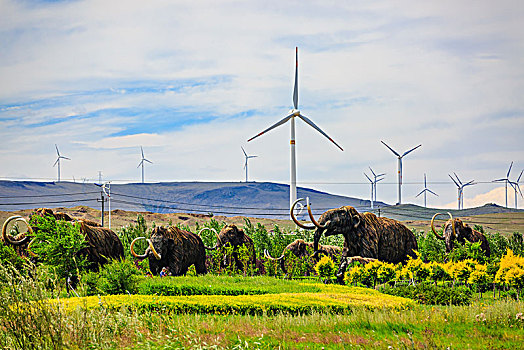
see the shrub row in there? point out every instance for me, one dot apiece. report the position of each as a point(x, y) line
point(430, 294)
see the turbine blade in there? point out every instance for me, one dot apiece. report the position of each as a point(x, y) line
point(272, 127)
point(411, 150)
point(454, 180)
point(518, 179)
point(65, 158)
point(377, 180)
point(139, 164)
point(460, 182)
point(295, 89)
point(147, 160)
point(142, 150)
point(308, 121)
point(430, 191)
point(57, 152)
point(499, 180)
point(372, 171)
point(252, 156)
point(507, 176)
point(243, 151)
point(368, 177)
point(391, 149)
point(469, 183)
point(56, 161)
point(424, 190)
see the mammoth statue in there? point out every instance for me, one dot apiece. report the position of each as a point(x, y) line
point(365, 235)
point(456, 229)
point(173, 248)
point(301, 249)
point(235, 237)
point(102, 243)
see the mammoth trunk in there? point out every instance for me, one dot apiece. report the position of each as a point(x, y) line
point(318, 234)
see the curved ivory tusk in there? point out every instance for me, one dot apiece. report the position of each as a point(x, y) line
point(215, 231)
point(153, 250)
point(305, 227)
point(266, 254)
point(433, 227)
point(312, 218)
point(452, 225)
point(14, 241)
point(133, 251)
point(29, 248)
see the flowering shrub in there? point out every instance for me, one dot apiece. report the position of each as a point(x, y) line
point(325, 267)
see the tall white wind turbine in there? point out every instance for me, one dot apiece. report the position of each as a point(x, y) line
point(400, 168)
point(142, 162)
point(506, 181)
point(247, 157)
point(58, 160)
point(425, 190)
point(460, 189)
point(516, 187)
point(372, 188)
point(294, 113)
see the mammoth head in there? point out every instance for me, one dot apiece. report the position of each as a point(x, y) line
point(343, 220)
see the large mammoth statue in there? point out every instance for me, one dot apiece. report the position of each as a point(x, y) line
point(102, 243)
point(365, 235)
point(301, 249)
point(175, 249)
point(457, 230)
point(235, 237)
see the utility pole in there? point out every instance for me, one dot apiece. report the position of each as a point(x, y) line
point(102, 199)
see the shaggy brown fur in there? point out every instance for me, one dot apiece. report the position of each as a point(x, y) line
point(178, 249)
point(301, 249)
point(368, 236)
point(235, 237)
point(464, 232)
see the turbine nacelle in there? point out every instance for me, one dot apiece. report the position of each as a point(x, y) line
point(294, 112)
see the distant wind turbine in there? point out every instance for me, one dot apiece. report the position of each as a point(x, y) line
point(400, 168)
point(375, 180)
point(58, 160)
point(460, 189)
point(516, 187)
point(293, 114)
point(142, 162)
point(247, 157)
point(506, 181)
point(425, 190)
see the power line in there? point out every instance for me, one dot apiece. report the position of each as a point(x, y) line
point(53, 202)
point(50, 195)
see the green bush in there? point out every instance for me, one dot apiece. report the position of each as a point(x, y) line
point(128, 233)
point(58, 243)
point(118, 277)
point(325, 268)
point(8, 256)
point(427, 293)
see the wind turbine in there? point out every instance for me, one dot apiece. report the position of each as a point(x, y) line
point(460, 189)
point(142, 163)
point(425, 190)
point(58, 160)
point(516, 187)
point(400, 168)
point(376, 179)
point(247, 157)
point(506, 181)
point(293, 114)
point(372, 188)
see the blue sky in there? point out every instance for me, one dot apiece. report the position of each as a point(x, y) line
point(191, 81)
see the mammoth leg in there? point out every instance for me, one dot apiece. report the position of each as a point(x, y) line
point(200, 267)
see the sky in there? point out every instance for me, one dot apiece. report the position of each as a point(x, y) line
point(192, 81)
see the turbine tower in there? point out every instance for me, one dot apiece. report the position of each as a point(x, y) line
point(425, 190)
point(58, 161)
point(506, 181)
point(460, 189)
point(142, 163)
point(400, 168)
point(372, 188)
point(375, 180)
point(516, 187)
point(294, 113)
point(247, 157)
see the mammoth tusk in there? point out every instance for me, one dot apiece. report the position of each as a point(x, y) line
point(433, 227)
point(210, 229)
point(13, 240)
point(452, 225)
point(153, 250)
point(305, 227)
point(29, 249)
point(266, 254)
point(133, 251)
point(312, 218)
